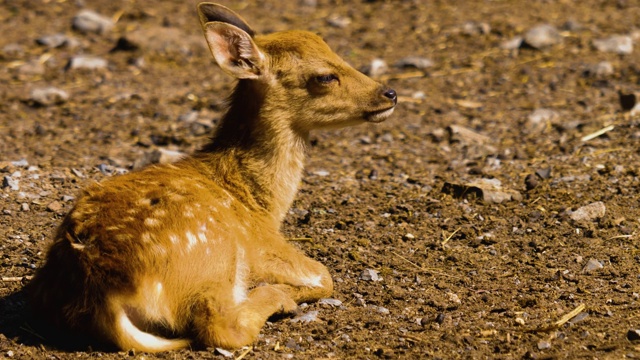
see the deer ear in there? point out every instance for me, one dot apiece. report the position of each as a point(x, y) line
point(209, 12)
point(234, 50)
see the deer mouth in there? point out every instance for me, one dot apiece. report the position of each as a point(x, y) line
point(380, 115)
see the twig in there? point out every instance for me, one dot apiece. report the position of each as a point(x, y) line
point(446, 240)
point(413, 338)
point(621, 237)
point(431, 270)
point(241, 356)
point(563, 320)
point(28, 329)
point(597, 133)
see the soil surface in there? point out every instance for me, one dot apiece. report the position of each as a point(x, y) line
point(431, 259)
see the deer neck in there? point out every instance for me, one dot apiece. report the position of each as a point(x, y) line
point(256, 143)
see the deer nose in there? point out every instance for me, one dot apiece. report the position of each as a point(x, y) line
point(391, 94)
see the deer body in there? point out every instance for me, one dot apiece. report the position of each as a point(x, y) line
point(192, 251)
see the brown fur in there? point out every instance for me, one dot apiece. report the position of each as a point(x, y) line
point(155, 259)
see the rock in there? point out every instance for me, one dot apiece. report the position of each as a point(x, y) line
point(306, 318)
point(376, 68)
point(24, 207)
point(589, 212)
point(488, 190)
point(86, 62)
point(543, 345)
point(57, 40)
point(68, 198)
point(386, 137)
point(544, 174)
point(472, 28)
point(592, 265)
point(580, 317)
point(32, 68)
point(628, 101)
point(380, 309)
point(408, 236)
point(542, 36)
point(88, 21)
point(13, 49)
point(339, 21)
point(531, 181)
point(512, 44)
point(619, 44)
point(223, 352)
point(54, 207)
point(420, 63)
point(369, 275)
point(540, 119)
point(466, 136)
point(330, 302)
point(633, 335)
point(11, 183)
point(600, 70)
point(49, 96)
point(21, 163)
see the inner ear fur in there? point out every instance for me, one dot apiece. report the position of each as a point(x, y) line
point(210, 12)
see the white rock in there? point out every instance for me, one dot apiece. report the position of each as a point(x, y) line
point(306, 318)
point(414, 61)
point(512, 44)
point(369, 275)
point(49, 96)
point(87, 62)
point(592, 265)
point(90, 21)
point(223, 352)
point(542, 36)
point(620, 44)
point(330, 302)
point(589, 212)
point(538, 120)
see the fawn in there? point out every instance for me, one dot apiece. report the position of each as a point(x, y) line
point(192, 251)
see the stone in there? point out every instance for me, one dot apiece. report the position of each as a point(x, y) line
point(162, 40)
point(57, 40)
point(376, 68)
point(339, 21)
point(473, 28)
point(600, 70)
point(369, 275)
point(512, 44)
point(589, 212)
point(306, 318)
point(11, 183)
point(86, 62)
point(330, 302)
point(49, 96)
point(89, 21)
point(540, 119)
point(543, 345)
point(420, 63)
point(592, 265)
point(619, 44)
point(487, 190)
point(542, 36)
point(223, 352)
point(54, 207)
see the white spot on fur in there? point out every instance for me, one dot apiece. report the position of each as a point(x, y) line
point(239, 291)
point(159, 213)
point(146, 237)
point(144, 202)
point(151, 222)
point(113, 227)
point(312, 281)
point(202, 233)
point(173, 239)
point(192, 240)
point(188, 212)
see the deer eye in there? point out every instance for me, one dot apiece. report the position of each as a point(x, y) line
point(326, 79)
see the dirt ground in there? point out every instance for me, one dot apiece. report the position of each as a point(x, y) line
point(461, 275)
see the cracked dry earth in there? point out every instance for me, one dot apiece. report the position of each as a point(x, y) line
point(495, 215)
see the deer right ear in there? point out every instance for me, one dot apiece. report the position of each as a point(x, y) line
point(234, 50)
point(210, 12)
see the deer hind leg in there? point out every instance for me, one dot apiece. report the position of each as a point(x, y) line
point(232, 325)
point(305, 279)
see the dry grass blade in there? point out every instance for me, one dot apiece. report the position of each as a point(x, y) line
point(597, 133)
point(563, 320)
point(430, 270)
point(446, 240)
point(241, 356)
point(15, 278)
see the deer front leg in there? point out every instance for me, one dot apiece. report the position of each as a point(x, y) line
point(304, 278)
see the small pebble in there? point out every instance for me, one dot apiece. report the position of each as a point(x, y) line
point(11, 183)
point(330, 302)
point(633, 335)
point(223, 352)
point(542, 36)
point(49, 96)
point(531, 182)
point(339, 21)
point(592, 265)
point(409, 236)
point(472, 28)
point(24, 207)
point(369, 275)
point(86, 62)
point(601, 69)
point(512, 44)
point(89, 21)
point(54, 206)
point(589, 212)
point(57, 40)
point(308, 317)
point(376, 68)
point(619, 44)
point(417, 62)
point(543, 345)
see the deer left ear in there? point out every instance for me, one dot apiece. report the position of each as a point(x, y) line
point(210, 12)
point(234, 50)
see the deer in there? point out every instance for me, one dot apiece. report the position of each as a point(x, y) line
point(191, 253)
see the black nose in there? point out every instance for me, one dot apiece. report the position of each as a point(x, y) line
point(391, 94)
